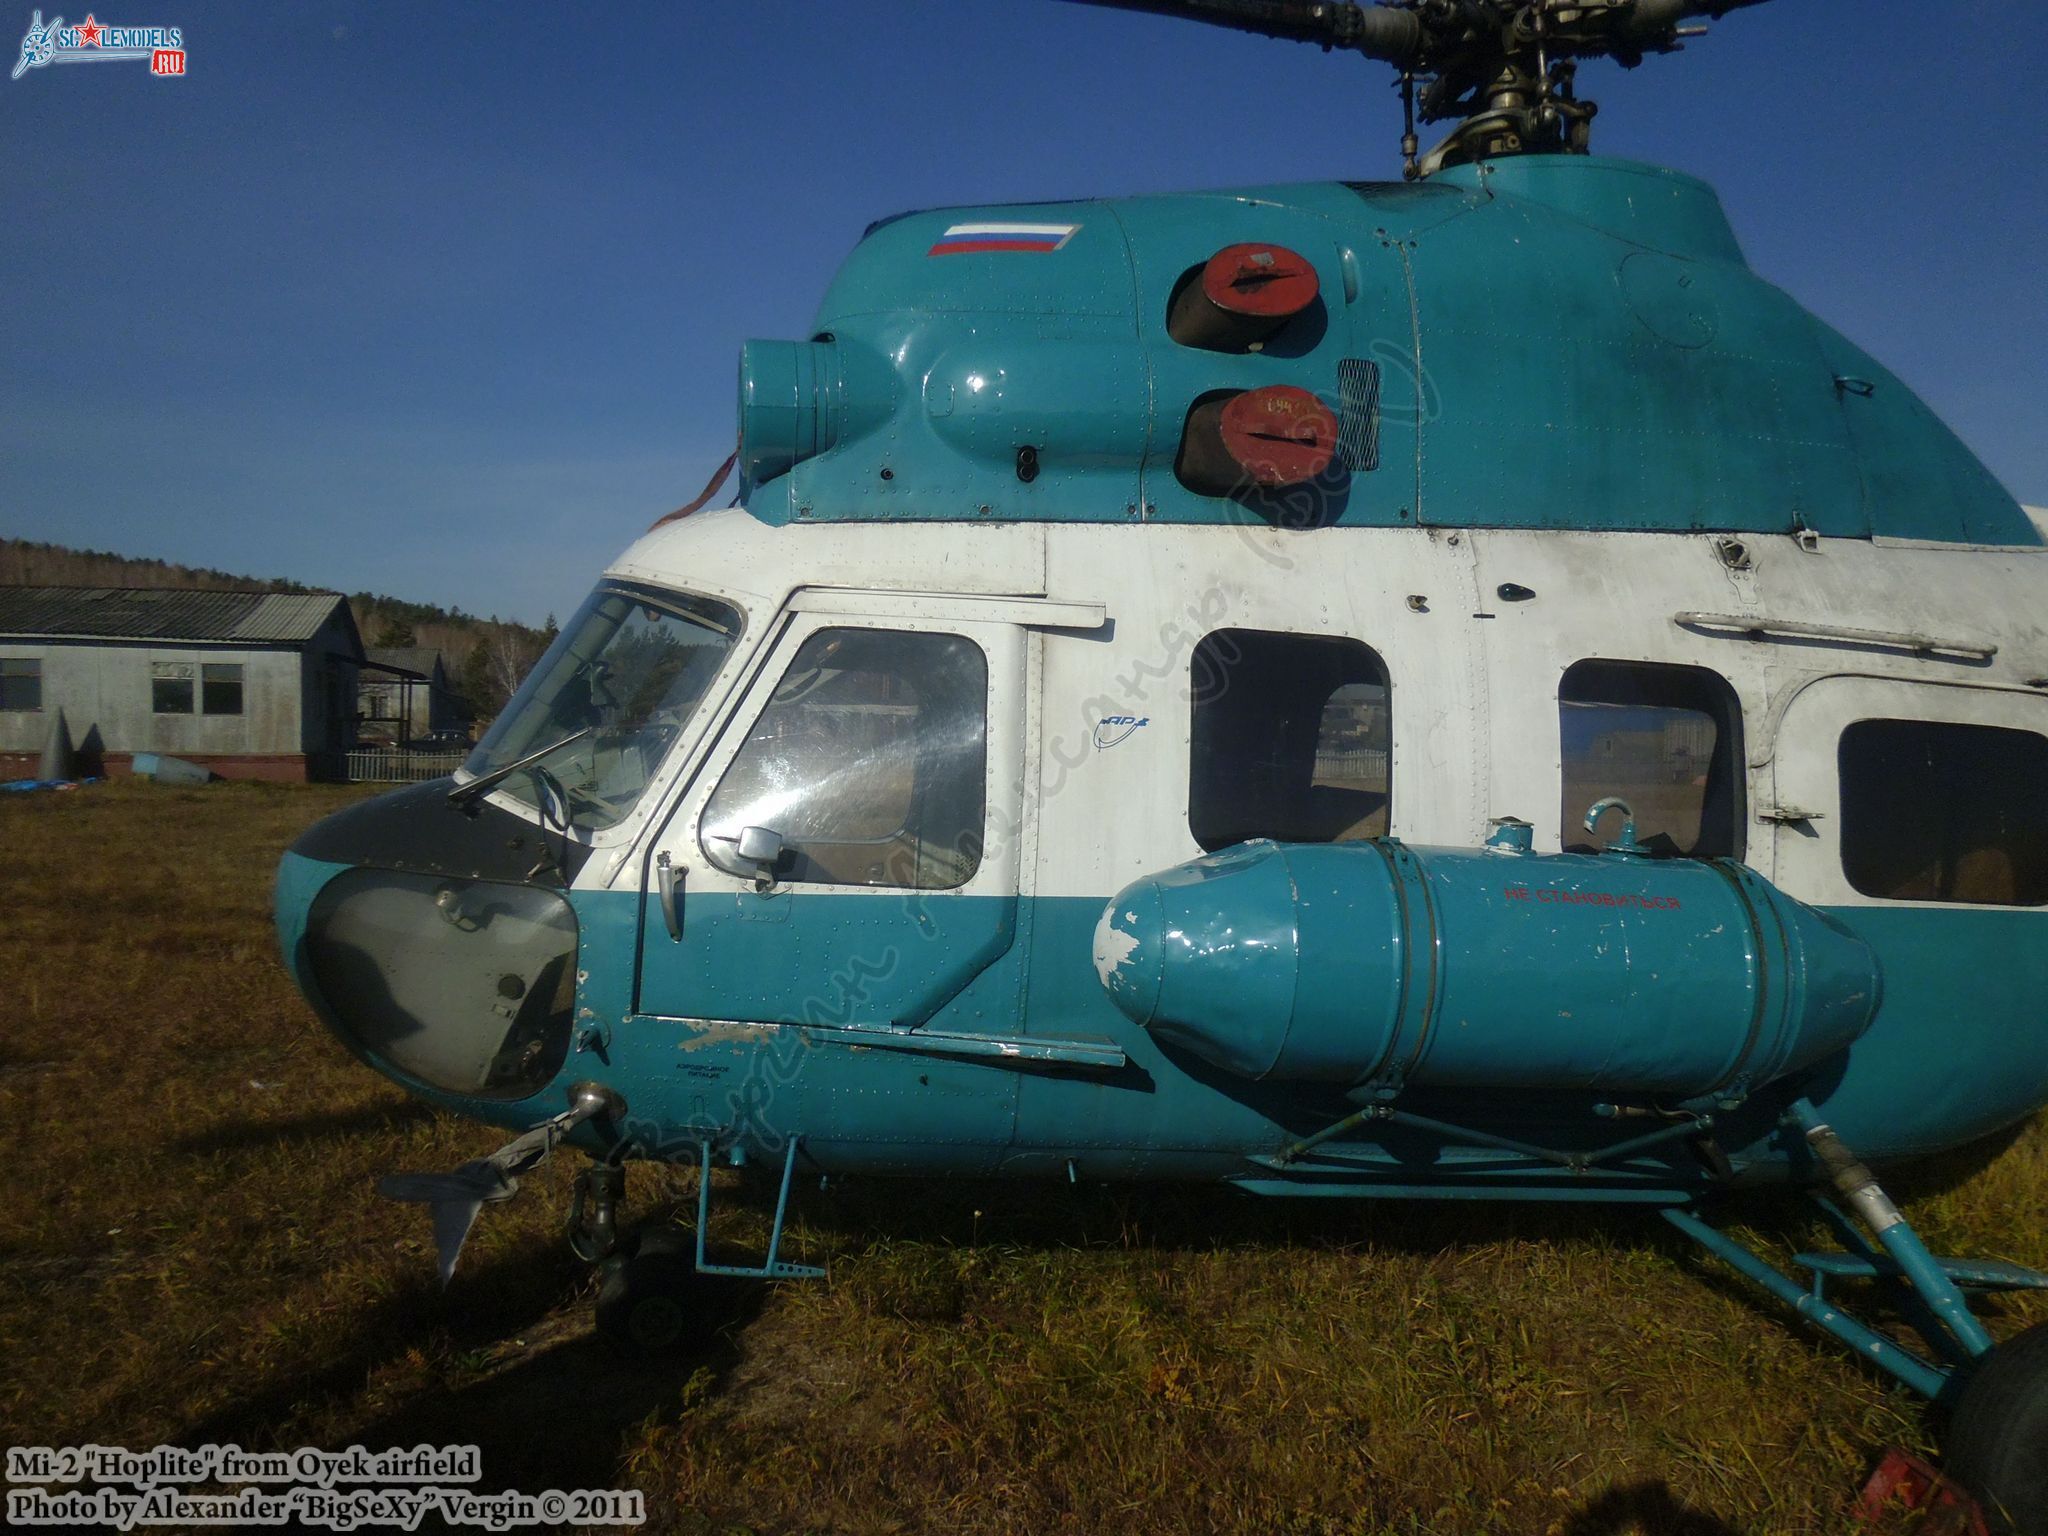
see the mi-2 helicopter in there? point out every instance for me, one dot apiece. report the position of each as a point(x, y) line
point(1439, 688)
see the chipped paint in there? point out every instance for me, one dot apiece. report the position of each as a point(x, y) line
point(706, 1034)
point(1113, 946)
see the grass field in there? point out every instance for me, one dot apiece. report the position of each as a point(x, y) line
point(191, 1251)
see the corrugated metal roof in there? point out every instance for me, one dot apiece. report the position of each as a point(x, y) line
point(419, 659)
point(164, 613)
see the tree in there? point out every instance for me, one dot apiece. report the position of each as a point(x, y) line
point(476, 683)
point(497, 664)
point(394, 634)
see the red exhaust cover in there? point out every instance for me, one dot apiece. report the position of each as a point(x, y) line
point(1269, 281)
point(1240, 297)
point(1279, 435)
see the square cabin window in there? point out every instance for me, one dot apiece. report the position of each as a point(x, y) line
point(220, 688)
point(870, 762)
point(171, 694)
point(1666, 739)
point(21, 683)
point(1290, 739)
point(1938, 812)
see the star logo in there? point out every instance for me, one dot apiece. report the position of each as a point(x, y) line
point(89, 33)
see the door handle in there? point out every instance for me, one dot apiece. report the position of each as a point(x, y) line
point(666, 878)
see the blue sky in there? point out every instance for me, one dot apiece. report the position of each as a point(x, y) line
point(444, 300)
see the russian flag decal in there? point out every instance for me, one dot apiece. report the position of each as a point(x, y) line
point(964, 239)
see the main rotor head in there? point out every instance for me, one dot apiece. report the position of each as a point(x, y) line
point(1502, 70)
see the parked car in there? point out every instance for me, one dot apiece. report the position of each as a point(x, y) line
point(449, 739)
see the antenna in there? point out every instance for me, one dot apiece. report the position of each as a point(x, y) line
point(1505, 71)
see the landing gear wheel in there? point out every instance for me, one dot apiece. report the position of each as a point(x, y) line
point(1998, 1436)
point(646, 1302)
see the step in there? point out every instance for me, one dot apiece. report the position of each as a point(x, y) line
point(1975, 1274)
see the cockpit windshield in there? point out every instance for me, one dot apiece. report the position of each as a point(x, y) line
point(606, 702)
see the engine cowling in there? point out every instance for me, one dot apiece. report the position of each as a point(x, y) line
point(1375, 964)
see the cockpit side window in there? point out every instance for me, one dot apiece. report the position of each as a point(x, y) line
point(1936, 811)
point(869, 763)
point(1666, 739)
point(1290, 739)
point(598, 713)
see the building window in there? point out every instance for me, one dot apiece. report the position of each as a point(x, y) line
point(1939, 812)
point(1668, 740)
point(870, 762)
point(1290, 739)
point(21, 683)
point(220, 688)
point(170, 688)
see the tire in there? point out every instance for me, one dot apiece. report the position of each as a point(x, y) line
point(646, 1300)
point(1997, 1440)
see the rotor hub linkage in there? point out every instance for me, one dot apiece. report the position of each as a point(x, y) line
point(1502, 70)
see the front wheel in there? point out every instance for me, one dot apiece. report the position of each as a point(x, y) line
point(647, 1300)
point(1998, 1436)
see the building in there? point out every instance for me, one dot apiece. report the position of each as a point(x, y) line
point(404, 695)
point(254, 685)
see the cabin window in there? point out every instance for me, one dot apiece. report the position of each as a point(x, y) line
point(220, 688)
point(1933, 811)
point(170, 688)
point(1290, 739)
point(602, 708)
point(21, 683)
point(1668, 740)
point(870, 763)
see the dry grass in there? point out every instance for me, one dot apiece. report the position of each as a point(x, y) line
point(191, 1251)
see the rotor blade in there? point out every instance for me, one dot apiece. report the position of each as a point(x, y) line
point(1375, 31)
point(1654, 17)
point(452, 1222)
point(474, 1180)
point(453, 1201)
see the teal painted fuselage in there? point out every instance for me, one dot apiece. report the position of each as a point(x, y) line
point(1573, 430)
point(1953, 1053)
point(1554, 342)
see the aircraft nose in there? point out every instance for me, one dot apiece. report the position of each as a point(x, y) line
point(442, 975)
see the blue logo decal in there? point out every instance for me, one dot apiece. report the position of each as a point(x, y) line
point(1115, 728)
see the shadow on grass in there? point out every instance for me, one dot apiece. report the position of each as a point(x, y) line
point(487, 1303)
point(1190, 1218)
point(245, 1135)
point(556, 1406)
point(1642, 1509)
point(1210, 1218)
point(554, 1411)
point(563, 1416)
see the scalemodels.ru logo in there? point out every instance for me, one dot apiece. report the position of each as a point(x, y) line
point(94, 42)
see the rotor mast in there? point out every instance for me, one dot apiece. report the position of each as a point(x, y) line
point(1503, 71)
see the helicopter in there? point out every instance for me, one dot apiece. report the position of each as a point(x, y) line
point(1439, 688)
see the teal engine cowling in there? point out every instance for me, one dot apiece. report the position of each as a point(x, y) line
point(1375, 965)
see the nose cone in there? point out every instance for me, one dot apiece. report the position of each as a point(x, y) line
point(1129, 953)
point(1203, 956)
point(441, 973)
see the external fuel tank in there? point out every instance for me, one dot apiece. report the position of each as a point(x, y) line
point(1375, 965)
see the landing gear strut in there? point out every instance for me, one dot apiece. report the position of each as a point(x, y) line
point(656, 1287)
point(1997, 1441)
point(593, 1227)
